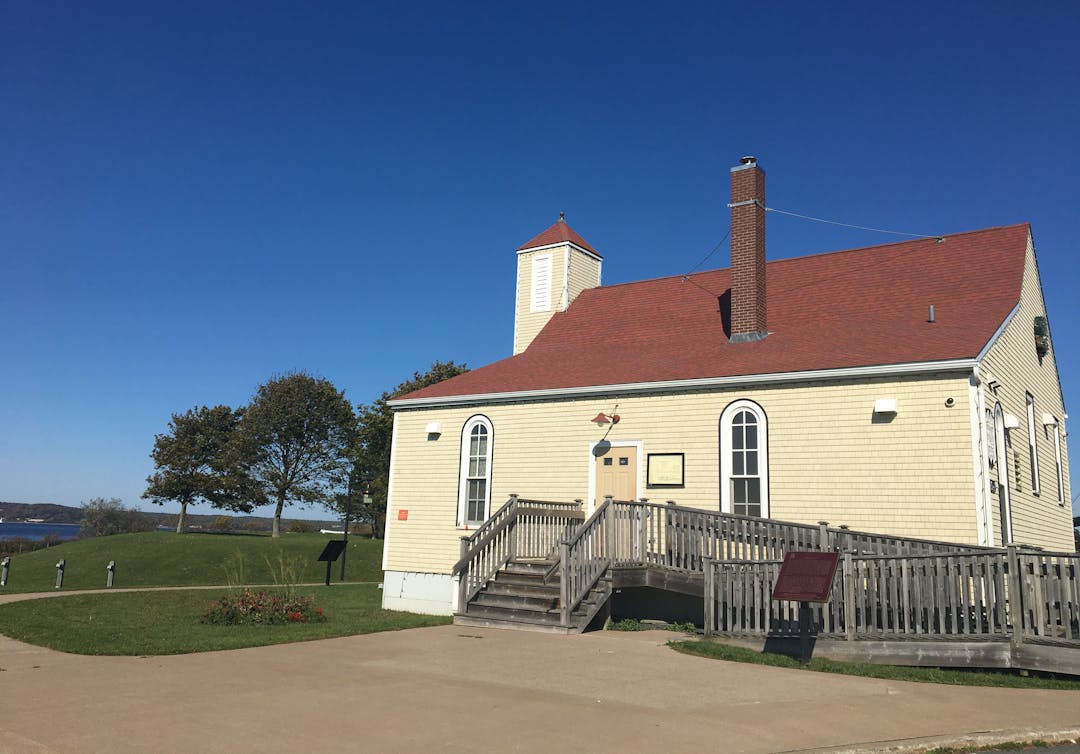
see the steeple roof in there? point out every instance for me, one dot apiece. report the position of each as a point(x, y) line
point(560, 232)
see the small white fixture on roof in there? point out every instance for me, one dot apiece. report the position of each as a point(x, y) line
point(885, 406)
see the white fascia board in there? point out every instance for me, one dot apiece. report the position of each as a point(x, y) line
point(571, 244)
point(704, 383)
point(997, 333)
point(389, 495)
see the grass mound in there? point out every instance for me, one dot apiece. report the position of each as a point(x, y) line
point(162, 623)
point(160, 558)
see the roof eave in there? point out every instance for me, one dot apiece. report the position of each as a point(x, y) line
point(557, 244)
point(703, 383)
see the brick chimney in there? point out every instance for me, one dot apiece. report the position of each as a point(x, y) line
point(748, 310)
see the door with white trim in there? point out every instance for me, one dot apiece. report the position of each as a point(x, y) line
point(616, 474)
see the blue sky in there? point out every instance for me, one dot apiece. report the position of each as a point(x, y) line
point(195, 196)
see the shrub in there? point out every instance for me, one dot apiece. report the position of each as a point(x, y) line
point(103, 517)
point(300, 527)
point(222, 523)
point(263, 608)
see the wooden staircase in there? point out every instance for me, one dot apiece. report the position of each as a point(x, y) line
point(523, 596)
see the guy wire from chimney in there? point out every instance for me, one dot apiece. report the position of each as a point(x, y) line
point(849, 225)
point(686, 277)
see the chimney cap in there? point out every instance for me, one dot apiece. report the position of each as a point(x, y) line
point(748, 160)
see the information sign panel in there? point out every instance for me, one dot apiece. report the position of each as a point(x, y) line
point(332, 551)
point(806, 576)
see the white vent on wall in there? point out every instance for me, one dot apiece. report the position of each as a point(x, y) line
point(885, 406)
point(541, 283)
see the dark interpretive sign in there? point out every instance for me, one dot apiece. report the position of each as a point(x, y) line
point(806, 576)
point(332, 551)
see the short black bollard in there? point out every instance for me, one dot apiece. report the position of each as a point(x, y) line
point(5, 566)
point(111, 569)
point(60, 573)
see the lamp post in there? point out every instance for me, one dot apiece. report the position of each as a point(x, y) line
point(345, 536)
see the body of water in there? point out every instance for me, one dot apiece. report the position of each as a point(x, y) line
point(37, 531)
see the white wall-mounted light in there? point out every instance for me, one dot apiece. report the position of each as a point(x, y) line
point(434, 428)
point(1011, 422)
point(1050, 420)
point(885, 406)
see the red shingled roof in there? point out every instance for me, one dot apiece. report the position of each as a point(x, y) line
point(862, 307)
point(560, 232)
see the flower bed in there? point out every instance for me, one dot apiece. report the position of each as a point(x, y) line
point(263, 608)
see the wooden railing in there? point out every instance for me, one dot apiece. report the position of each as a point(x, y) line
point(635, 534)
point(683, 538)
point(583, 560)
point(1049, 586)
point(519, 529)
point(990, 594)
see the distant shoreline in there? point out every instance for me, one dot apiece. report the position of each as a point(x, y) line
point(37, 530)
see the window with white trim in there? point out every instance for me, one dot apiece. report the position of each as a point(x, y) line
point(474, 490)
point(1004, 494)
point(1057, 461)
point(541, 284)
point(744, 460)
point(1033, 448)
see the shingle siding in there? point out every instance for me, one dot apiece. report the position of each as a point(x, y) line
point(1014, 364)
point(828, 458)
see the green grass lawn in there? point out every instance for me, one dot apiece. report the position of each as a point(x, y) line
point(160, 623)
point(161, 558)
point(718, 651)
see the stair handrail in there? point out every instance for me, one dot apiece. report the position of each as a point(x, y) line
point(496, 542)
point(580, 570)
point(477, 562)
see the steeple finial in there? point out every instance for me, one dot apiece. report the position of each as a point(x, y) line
point(562, 217)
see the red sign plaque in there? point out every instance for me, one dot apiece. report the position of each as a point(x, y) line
point(806, 576)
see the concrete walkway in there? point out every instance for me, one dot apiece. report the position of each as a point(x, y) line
point(456, 689)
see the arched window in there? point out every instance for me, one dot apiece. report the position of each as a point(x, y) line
point(744, 460)
point(474, 490)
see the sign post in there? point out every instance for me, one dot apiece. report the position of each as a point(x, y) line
point(330, 553)
point(805, 577)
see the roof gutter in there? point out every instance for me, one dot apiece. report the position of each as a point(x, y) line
point(705, 383)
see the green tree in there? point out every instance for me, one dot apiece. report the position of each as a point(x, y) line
point(194, 461)
point(105, 516)
point(294, 439)
point(371, 454)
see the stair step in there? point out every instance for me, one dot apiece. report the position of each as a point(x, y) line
point(522, 601)
point(461, 619)
point(519, 615)
point(529, 565)
point(526, 579)
point(500, 586)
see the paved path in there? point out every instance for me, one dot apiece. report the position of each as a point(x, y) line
point(456, 689)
